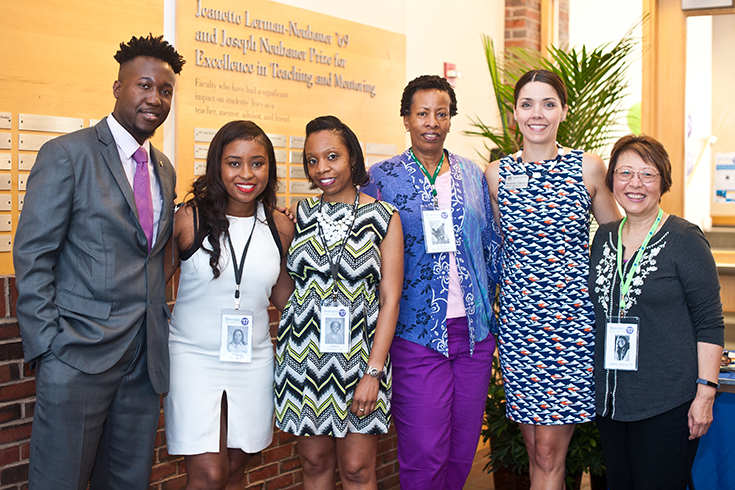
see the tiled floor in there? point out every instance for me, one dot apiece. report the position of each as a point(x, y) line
point(479, 480)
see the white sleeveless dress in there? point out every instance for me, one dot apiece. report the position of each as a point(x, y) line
point(198, 377)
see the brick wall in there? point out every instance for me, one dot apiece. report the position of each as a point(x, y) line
point(523, 23)
point(277, 467)
point(563, 21)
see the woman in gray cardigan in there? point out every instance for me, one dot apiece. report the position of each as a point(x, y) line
point(654, 285)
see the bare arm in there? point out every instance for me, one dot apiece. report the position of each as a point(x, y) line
point(181, 239)
point(700, 413)
point(492, 175)
point(390, 290)
point(284, 285)
point(604, 207)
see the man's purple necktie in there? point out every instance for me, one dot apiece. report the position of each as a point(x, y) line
point(142, 192)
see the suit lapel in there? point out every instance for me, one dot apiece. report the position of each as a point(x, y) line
point(111, 156)
point(163, 173)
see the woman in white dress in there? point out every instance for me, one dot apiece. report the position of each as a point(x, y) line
point(220, 405)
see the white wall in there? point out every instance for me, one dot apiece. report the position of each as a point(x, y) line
point(438, 32)
point(697, 191)
point(593, 23)
point(723, 106)
point(723, 74)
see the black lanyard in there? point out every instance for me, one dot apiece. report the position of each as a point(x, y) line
point(239, 268)
point(334, 266)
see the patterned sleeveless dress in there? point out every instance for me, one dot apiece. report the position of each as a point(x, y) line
point(313, 389)
point(546, 316)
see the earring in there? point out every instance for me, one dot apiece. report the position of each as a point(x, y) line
point(407, 130)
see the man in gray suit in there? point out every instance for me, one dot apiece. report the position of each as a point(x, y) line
point(89, 252)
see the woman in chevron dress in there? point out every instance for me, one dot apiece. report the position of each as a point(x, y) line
point(542, 199)
point(337, 400)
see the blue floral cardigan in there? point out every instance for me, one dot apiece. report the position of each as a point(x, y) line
point(423, 309)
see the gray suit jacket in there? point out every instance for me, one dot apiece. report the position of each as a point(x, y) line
point(85, 279)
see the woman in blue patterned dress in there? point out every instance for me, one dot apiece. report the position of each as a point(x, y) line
point(542, 198)
point(333, 384)
point(442, 354)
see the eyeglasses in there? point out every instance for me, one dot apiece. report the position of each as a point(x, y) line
point(626, 175)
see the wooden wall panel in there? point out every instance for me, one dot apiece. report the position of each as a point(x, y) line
point(282, 102)
point(57, 60)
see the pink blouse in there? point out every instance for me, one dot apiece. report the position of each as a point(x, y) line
point(455, 300)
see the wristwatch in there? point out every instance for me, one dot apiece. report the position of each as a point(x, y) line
point(374, 372)
point(708, 383)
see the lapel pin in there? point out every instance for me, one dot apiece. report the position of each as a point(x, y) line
point(160, 163)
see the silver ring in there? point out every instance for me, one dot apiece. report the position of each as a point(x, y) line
point(362, 409)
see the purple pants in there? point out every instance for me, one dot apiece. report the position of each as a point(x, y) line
point(438, 407)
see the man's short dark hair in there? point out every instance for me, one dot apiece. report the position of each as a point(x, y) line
point(155, 47)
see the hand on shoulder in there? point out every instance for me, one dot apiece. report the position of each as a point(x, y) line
point(365, 199)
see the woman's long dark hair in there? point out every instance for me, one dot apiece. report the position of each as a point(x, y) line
point(210, 197)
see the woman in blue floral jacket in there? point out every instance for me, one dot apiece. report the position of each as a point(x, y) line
point(442, 352)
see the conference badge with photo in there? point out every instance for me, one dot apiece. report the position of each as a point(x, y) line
point(438, 230)
point(335, 329)
point(236, 339)
point(621, 343)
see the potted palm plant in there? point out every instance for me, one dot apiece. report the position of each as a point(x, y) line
point(596, 85)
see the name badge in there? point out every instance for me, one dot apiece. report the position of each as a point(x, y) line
point(236, 339)
point(621, 343)
point(438, 230)
point(516, 181)
point(335, 329)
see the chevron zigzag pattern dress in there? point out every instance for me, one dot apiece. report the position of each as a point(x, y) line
point(547, 320)
point(314, 390)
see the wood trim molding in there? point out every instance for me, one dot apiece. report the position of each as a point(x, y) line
point(664, 77)
point(717, 11)
point(549, 25)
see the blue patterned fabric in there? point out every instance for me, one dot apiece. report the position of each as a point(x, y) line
point(423, 310)
point(546, 315)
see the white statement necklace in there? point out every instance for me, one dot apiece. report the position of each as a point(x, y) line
point(335, 226)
